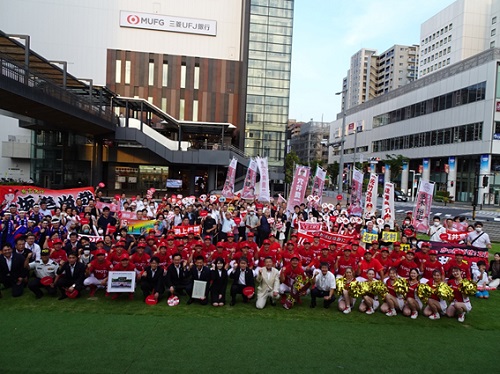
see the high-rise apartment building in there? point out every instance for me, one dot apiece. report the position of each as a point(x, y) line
point(372, 74)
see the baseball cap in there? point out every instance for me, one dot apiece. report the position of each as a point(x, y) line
point(250, 234)
point(410, 251)
point(426, 244)
point(369, 252)
point(45, 252)
point(375, 242)
point(266, 241)
point(220, 244)
point(384, 249)
point(433, 252)
point(347, 248)
point(124, 256)
point(141, 245)
point(230, 234)
point(459, 252)
point(207, 237)
point(100, 252)
point(294, 257)
point(57, 241)
point(170, 237)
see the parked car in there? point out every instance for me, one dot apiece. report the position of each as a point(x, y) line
point(400, 196)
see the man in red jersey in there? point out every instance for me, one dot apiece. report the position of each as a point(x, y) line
point(116, 253)
point(275, 245)
point(406, 264)
point(460, 263)
point(266, 251)
point(397, 254)
point(289, 273)
point(208, 247)
point(244, 254)
point(288, 253)
point(369, 263)
point(422, 255)
point(98, 271)
point(385, 260)
point(58, 254)
point(306, 254)
point(220, 251)
point(427, 268)
point(325, 256)
point(344, 262)
point(231, 245)
point(162, 256)
point(140, 259)
point(316, 245)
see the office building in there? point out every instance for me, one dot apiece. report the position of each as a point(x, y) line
point(217, 62)
point(310, 143)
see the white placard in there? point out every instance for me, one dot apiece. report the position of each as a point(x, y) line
point(199, 288)
point(121, 281)
point(161, 22)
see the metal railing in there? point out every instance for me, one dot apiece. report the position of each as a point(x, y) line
point(36, 81)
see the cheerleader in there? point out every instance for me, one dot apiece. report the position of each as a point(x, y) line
point(461, 303)
point(370, 302)
point(392, 300)
point(413, 303)
point(346, 301)
point(435, 306)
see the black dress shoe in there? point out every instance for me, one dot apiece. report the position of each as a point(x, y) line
point(273, 303)
point(190, 301)
point(62, 297)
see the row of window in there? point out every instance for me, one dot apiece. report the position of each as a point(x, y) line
point(437, 34)
point(466, 95)
point(436, 45)
point(436, 66)
point(457, 134)
point(152, 71)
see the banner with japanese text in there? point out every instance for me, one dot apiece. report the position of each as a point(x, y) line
point(307, 231)
point(423, 204)
point(126, 215)
point(356, 193)
point(371, 196)
point(228, 189)
point(451, 236)
point(249, 184)
point(112, 207)
point(91, 238)
point(299, 187)
point(184, 230)
point(264, 192)
point(318, 186)
point(24, 197)
point(446, 251)
point(388, 212)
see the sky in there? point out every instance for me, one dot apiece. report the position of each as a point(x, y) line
point(328, 32)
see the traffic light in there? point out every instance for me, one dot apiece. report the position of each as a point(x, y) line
point(485, 181)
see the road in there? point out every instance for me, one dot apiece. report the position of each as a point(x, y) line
point(450, 211)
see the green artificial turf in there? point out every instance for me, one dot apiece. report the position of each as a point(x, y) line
point(121, 336)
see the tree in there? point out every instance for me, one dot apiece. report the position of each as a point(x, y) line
point(314, 164)
point(333, 172)
point(396, 163)
point(291, 160)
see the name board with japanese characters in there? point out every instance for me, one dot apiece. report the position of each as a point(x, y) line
point(161, 22)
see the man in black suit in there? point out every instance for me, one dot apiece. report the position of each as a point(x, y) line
point(152, 279)
point(70, 276)
point(199, 273)
point(242, 277)
point(177, 278)
point(13, 274)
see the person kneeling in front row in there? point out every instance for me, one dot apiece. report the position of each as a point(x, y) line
point(242, 277)
point(325, 286)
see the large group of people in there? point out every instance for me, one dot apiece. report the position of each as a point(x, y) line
point(250, 249)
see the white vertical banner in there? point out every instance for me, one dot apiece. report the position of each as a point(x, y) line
point(318, 185)
point(264, 193)
point(423, 204)
point(356, 193)
point(388, 214)
point(371, 196)
point(249, 184)
point(228, 189)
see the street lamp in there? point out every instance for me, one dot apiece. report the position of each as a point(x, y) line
point(342, 140)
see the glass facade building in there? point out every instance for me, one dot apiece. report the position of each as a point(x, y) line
point(268, 81)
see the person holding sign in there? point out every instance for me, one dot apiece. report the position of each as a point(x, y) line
point(199, 273)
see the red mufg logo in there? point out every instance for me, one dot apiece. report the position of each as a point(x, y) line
point(133, 19)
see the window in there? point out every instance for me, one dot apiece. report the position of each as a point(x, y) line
point(118, 73)
point(164, 75)
point(449, 38)
point(151, 76)
point(127, 72)
point(196, 77)
point(493, 32)
point(450, 26)
point(183, 76)
point(182, 105)
point(164, 104)
point(492, 44)
point(494, 20)
point(150, 99)
point(195, 110)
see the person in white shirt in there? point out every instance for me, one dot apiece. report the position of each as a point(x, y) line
point(480, 276)
point(228, 225)
point(33, 247)
point(478, 238)
point(325, 287)
point(436, 230)
point(43, 209)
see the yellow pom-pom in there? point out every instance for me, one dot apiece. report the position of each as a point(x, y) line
point(424, 291)
point(340, 283)
point(467, 287)
point(444, 291)
point(379, 288)
point(401, 286)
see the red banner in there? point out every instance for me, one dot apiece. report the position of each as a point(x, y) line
point(112, 207)
point(24, 197)
point(299, 186)
point(307, 230)
point(228, 189)
point(453, 236)
point(423, 205)
point(127, 215)
point(184, 230)
point(446, 251)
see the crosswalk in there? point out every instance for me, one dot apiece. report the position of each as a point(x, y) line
point(439, 214)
